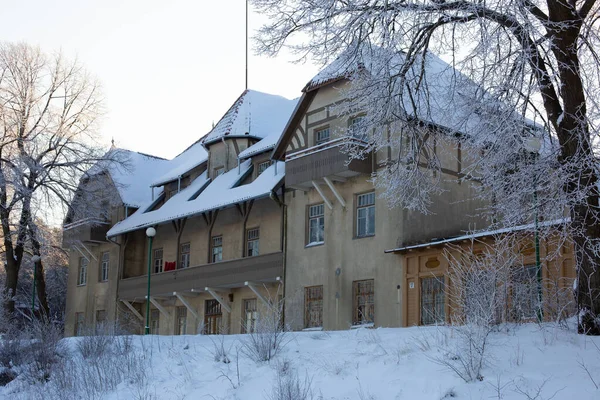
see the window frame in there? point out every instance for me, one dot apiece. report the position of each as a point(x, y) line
point(254, 316)
point(79, 323)
point(355, 304)
point(309, 299)
point(253, 240)
point(181, 315)
point(308, 242)
point(161, 266)
point(213, 247)
point(319, 130)
point(183, 254)
point(260, 165)
point(154, 330)
point(353, 121)
point(82, 271)
point(104, 266)
point(358, 208)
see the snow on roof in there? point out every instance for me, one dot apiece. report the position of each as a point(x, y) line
point(132, 173)
point(189, 159)
point(222, 192)
point(262, 145)
point(480, 234)
point(255, 114)
point(442, 95)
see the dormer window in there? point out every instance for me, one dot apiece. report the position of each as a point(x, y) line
point(262, 167)
point(218, 172)
point(322, 136)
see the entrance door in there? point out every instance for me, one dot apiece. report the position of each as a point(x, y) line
point(212, 317)
point(432, 301)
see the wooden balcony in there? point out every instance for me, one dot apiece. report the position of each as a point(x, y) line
point(224, 274)
point(89, 230)
point(324, 160)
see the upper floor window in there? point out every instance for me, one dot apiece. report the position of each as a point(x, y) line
point(356, 128)
point(158, 261)
point(252, 246)
point(104, 266)
point(316, 224)
point(82, 272)
point(365, 214)
point(217, 248)
point(262, 167)
point(185, 255)
point(322, 135)
point(218, 171)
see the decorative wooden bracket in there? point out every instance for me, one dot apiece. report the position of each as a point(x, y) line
point(325, 199)
point(221, 300)
point(133, 310)
point(335, 192)
point(186, 304)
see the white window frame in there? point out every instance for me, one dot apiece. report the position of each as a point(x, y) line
point(252, 242)
point(316, 212)
point(262, 167)
point(104, 266)
point(158, 265)
point(82, 271)
point(319, 139)
point(365, 202)
point(217, 244)
point(181, 321)
point(185, 250)
point(355, 121)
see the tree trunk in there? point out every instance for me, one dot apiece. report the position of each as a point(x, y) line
point(40, 289)
point(10, 286)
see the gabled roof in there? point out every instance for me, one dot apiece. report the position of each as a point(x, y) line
point(205, 195)
point(132, 173)
point(189, 159)
point(254, 114)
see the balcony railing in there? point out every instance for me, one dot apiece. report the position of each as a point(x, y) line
point(88, 230)
point(224, 274)
point(325, 160)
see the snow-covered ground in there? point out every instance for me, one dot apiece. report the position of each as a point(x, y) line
point(524, 362)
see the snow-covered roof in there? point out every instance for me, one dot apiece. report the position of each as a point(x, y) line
point(262, 145)
point(254, 114)
point(132, 174)
point(481, 234)
point(189, 159)
point(224, 191)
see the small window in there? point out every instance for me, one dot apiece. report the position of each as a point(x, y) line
point(262, 167)
point(79, 321)
point(104, 266)
point(250, 315)
point(252, 245)
point(217, 248)
point(158, 261)
point(313, 307)
point(82, 272)
point(218, 172)
point(365, 214)
point(357, 129)
point(181, 320)
point(316, 224)
point(154, 321)
point(364, 302)
point(322, 136)
point(185, 255)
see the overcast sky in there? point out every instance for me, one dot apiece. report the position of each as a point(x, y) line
point(168, 68)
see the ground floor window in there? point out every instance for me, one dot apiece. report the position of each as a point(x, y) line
point(364, 302)
point(101, 321)
point(180, 329)
point(79, 321)
point(250, 315)
point(313, 307)
point(154, 321)
point(212, 317)
point(525, 292)
point(432, 301)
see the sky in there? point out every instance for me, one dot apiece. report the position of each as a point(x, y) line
point(168, 69)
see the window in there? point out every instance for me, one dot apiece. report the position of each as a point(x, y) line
point(316, 224)
point(79, 321)
point(154, 321)
point(262, 167)
point(252, 238)
point(218, 172)
point(185, 255)
point(356, 128)
point(217, 248)
point(158, 261)
point(432, 301)
point(180, 329)
point(101, 326)
point(365, 214)
point(104, 266)
point(322, 136)
point(250, 314)
point(313, 307)
point(82, 273)
point(212, 317)
point(364, 302)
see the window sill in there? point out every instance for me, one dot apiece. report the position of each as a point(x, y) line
point(314, 244)
point(367, 325)
point(81, 284)
point(364, 236)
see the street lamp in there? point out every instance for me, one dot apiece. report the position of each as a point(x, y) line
point(534, 144)
point(150, 232)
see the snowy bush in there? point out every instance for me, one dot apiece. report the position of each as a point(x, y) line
point(289, 386)
point(268, 336)
point(219, 352)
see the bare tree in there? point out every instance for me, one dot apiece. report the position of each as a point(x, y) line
point(49, 109)
point(527, 68)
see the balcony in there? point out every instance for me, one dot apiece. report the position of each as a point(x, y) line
point(225, 274)
point(324, 160)
point(88, 230)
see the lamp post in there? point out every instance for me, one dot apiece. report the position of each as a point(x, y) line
point(533, 145)
point(150, 232)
